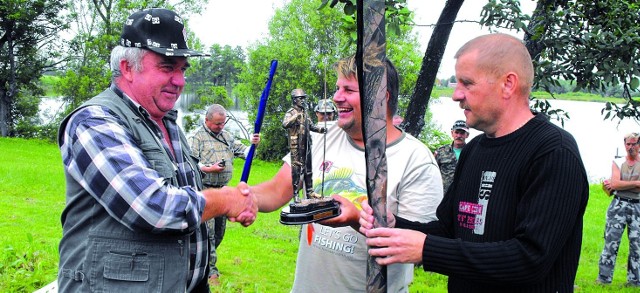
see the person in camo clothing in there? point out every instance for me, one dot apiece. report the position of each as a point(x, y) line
point(624, 210)
point(215, 149)
point(447, 155)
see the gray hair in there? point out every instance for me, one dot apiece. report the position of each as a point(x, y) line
point(216, 109)
point(131, 54)
point(631, 135)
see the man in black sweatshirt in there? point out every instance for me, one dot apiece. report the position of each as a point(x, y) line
point(512, 219)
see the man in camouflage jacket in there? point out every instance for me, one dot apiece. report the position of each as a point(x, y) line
point(447, 155)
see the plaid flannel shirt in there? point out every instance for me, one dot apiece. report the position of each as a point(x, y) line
point(210, 147)
point(102, 156)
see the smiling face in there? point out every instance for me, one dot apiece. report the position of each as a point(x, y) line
point(347, 99)
point(158, 85)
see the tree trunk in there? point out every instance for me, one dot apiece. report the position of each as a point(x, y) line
point(7, 95)
point(414, 120)
point(5, 102)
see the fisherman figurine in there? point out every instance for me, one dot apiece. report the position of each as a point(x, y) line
point(298, 123)
point(314, 206)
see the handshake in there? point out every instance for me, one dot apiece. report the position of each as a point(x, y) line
point(237, 203)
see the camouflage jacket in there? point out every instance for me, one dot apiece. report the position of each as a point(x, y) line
point(446, 158)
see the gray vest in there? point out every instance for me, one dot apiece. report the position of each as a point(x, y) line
point(97, 253)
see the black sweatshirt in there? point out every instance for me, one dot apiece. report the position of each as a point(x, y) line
point(512, 219)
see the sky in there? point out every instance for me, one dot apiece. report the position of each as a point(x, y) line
point(242, 22)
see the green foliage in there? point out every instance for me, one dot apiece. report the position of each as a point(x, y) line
point(98, 25)
point(592, 43)
point(221, 69)
point(306, 41)
point(28, 47)
point(397, 16)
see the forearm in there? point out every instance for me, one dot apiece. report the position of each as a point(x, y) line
point(217, 202)
point(633, 186)
point(274, 193)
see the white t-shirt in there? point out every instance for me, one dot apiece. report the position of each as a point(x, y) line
point(335, 259)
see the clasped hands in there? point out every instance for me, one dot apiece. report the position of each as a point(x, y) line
point(242, 205)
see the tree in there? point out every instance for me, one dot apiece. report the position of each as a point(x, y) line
point(27, 48)
point(592, 43)
point(222, 69)
point(97, 26)
point(306, 41)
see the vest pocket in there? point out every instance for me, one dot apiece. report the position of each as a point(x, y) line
point(127, 267)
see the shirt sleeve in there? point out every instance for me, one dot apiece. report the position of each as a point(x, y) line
point(102, 156)
point(420, 190)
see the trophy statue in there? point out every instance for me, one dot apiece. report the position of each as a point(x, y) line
point(313, 207)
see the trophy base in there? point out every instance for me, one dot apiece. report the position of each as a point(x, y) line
point(309, 210)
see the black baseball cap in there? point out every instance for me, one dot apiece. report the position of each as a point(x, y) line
point(460, 124)
point(159, 30)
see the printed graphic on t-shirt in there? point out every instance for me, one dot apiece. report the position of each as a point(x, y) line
point(336, 240)
point(472, 215)
point(331, 240)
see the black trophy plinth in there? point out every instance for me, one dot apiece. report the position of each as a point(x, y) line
point(309, 210)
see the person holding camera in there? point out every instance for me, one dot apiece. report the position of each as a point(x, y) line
point(215, 149)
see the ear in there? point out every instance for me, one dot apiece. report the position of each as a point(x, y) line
point(510, 84)
point(126, 70)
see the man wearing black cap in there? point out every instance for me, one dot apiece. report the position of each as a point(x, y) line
point(135, 212)
point(447, 155)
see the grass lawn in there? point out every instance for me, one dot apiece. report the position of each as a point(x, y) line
point(260, 258)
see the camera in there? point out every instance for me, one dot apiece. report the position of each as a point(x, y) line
point(222, 163)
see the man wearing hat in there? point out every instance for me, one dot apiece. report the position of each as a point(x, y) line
point(326, 112)
point(135, 207)
point(447, 155)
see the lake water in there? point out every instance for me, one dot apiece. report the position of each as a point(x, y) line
point(599, 141)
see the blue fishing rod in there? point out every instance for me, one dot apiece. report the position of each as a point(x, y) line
point(259, 118)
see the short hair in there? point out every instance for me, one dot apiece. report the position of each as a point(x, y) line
point(631, 135)
point(133, 55)
point(215, 109)
point(500, 53)
point(347, 67)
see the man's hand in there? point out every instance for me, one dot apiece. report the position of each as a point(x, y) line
point(243, 206)
point(255, 139)
point(212, 168)
point(392, 245)
point(367, 220)
point(348, 214)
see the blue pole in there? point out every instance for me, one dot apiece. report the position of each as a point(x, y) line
point(259, 118)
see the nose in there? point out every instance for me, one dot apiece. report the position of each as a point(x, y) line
point(337, 96)
point(458, 94)
point(178, 79)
